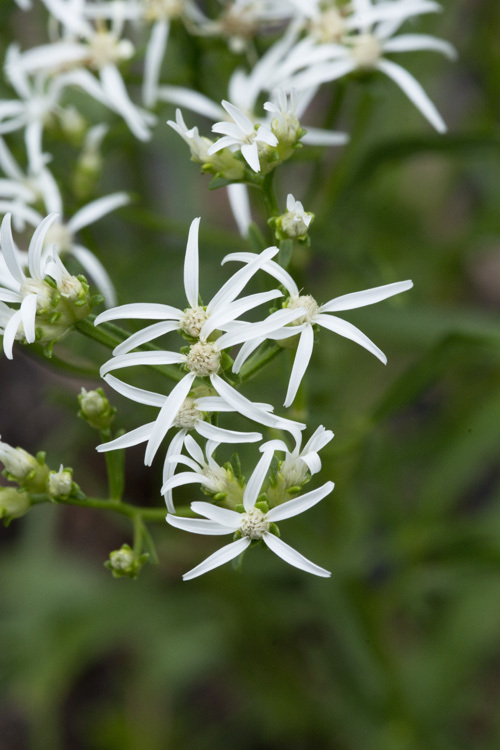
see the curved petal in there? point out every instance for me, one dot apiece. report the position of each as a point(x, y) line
point(366, 297)
point(233, 310)
point(250, 153)
point(169, 467)
point(224, 555)
point(28, 315)
point(140, 311)
point(134, 437)
point(292, 557)
point(96, 271)
point(10, 331)
point(212, 432)
point(254, 484)
point(343, 328)
point(299, 504)
point(96, 210)
point(191, 269)
point(302, 358)
point(225, 517)
point(167, 415)
point(240, 206)
point(36, 247)
point(9, 250)
point(141, 358)
point(153, 59)
point(230, 290)
point(197, 525)
point(411, 42)
point(139, 395)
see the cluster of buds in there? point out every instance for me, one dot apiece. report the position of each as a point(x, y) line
point(294, 223)
point(33, 477)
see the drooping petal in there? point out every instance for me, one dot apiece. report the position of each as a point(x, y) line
point(414, 91)
point(197, 525)
point(96, 210)
point(95, 269)
point(343, 328)
point(250, 153)
point(36, 248)
point(191, 264)
point(28, 315)
point(240, 206)
point(193, 100)
point(410, 42)
point(221, 435)
point(223, 555)
point(292, 557)
point(299, 504)
point(153, 59)
point(134, 437)
point(9, 250)
point(302, 358)
point(366, 297)
point(10, 331)
point(169, 467)
point(139, 395)
point(242, 120)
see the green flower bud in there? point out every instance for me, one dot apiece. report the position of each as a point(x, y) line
point(13, 504)
point(28, 471)
point(60, 483)
point(125, 562)
point(96, 409)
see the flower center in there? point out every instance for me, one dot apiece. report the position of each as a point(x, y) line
point(193, 320)
point(155, 10)
point(308, 303)
point(366, 50)
point(203, 359)
point(188, 415)
point(42, 290)
point(328, 27)
point(253, 524)
point(71, 288)
point(105, 48)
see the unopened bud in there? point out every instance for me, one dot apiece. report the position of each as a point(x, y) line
point(125, 562)
point(28, 471)
point(60, 483)
point(96, 409)
point(14, 503)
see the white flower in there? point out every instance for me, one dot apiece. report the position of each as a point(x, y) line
point(198, 145)
point(62, 233)
point(298, 464)
point(252, 524)
point(295, 222)
point(369, 36)
point(31, 292)
point(242, 135)
point(314, 314)
point(205, 471)
point(191, 416)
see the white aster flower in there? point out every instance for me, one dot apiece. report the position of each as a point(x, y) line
point(31, 292)
point(250, 525)
point(191, 416)
point(314, 314)
point(295, 222)
point(370, 35)
point(242, 135)
point(299, 464)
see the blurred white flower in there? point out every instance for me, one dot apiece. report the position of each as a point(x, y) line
point(254, 523)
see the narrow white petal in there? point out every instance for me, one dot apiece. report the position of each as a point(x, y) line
point(114, 88)
point(231, 313)
point(6, 295)
point(212, 432)
point(410, 42)
point(212, 403)
point(141, 358)
point(230, 290)
point(155, 53)
point(242, 120)
point(270, 267)
point(224, 516)
point(197, 525)
point(343, 328)
point(194, 450)
point(167, 414)
point(254, 484)
point(191, 269)
point(312, 461)
point(292, 557)
point(263, 328)
point(169, 467)
point(299, 504)
point(192, 100)
point(250, 153)
point(414, 91)
point(36, 247)
point(246, 350)
point(302, 358)
point(185, 477)
point(224, 555)
point(95, 269)
point(145, 335)
point(322, 74)
point(28, 314)
point(366, 297)
point(319, 137)
point(240, 206)
point(10, 331)
point(96, 210)
point(9, 250)
point(134, 437)
point(139, 395)
point(140, 311)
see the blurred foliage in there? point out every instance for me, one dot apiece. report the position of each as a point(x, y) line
point(400, 650)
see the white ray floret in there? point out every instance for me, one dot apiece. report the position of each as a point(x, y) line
point(242, 135)
point(299, 463)
point(250, 525)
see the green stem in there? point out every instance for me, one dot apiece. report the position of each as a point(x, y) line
point(115, 467)
point(270, 195)
point(267, 353)
point(125, 509)
point(110, 336)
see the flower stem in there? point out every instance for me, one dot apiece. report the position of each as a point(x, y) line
point(270, 195)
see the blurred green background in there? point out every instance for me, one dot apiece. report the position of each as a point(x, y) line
point(400, 649)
